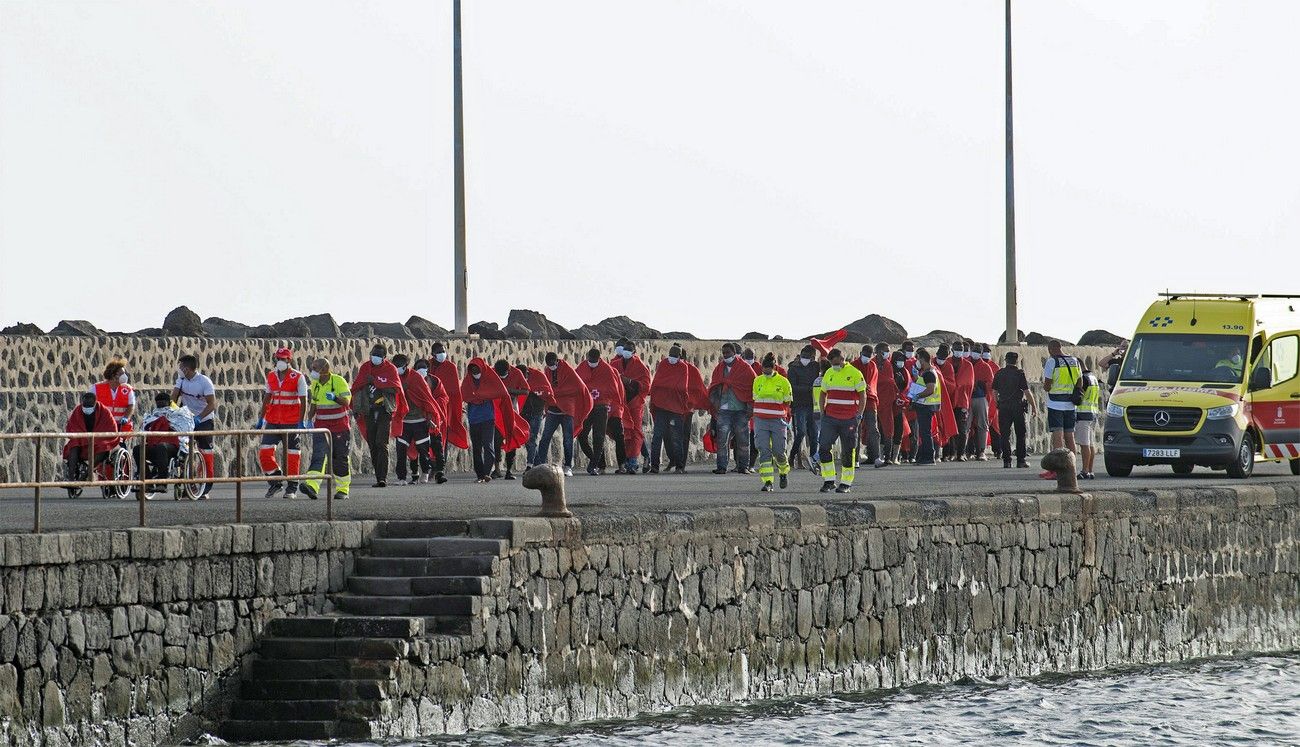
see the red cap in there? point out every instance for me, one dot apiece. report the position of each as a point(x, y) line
point(284, 353)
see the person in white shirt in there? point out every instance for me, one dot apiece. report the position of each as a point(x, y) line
point(195, 391)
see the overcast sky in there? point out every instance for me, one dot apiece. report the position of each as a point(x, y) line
point(715, 167)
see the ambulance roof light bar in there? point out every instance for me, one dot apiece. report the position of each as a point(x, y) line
point(1242, 296)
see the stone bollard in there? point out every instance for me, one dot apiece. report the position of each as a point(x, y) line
point(1061, 461)
point(550, 481)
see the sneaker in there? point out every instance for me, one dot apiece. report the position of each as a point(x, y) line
point(339, 495)
point(510, 475)
point(1006, 464)
point(645, 469)
point(746, 471)
point(496, 474)
point(412, 480)
point(1022, 464)
point(1047, 475)
point(380, 484)
point(981, 458)
point(844, 489)
point(784, 482)
point(592, 471)
point(652, 470)
point(568, 472)
point(439, 478)
point(290, 495)
point(621, 471)
point(679, 471)
point(879, 463)
point(767, 488)
point(1091, 476)
point(1082, 475)
point(309, 491)
point(275, 488)
point(719, 471)
point(815, 469)
point(828, 486)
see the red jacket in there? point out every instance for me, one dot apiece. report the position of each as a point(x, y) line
point(103, 423)
point(454, 431)
point(679, 388)
point(605, 385)
point(384, 376)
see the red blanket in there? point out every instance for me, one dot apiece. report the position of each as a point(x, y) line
point(758, 368)
point(77, 424)
point(868, 371)
point(740, 380)
point(965, 373)
point(679, 388)
point(634, 369)
point(384, 376)
point(605, 385)
point(888, 396)
point(516, 381)
point(823, 345)
point(984, 375)
point(540, 384)
point(490, 388)
point(454, 429)
point(418, 395)
point(571, 395)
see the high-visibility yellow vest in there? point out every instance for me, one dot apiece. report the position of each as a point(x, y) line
point(1091, 397)
point(817, 395)
point(935, 398)
point(845, 390)
point(1065, 375)
point(329, 410)
point(1229, 364)
point(772, 396)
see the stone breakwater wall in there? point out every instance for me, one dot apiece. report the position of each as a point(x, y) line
point(41, 378)
point(131, 637)
point(137, 636)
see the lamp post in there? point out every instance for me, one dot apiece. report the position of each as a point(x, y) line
point(1012, 333)
point(458, 148)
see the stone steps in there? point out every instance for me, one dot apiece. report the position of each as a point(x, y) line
point(262, 730)
point(473, 565)
point(421, 606)
point(418, 585)
point(437, 547)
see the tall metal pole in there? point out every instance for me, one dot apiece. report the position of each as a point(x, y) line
point(1012, 333)
point(458, 147)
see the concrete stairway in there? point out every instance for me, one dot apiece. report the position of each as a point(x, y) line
point(327, 677)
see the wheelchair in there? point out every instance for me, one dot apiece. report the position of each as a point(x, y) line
point(115, 472)
point(186, 464)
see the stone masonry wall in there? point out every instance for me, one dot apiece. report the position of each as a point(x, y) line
point(613, 616)
point(136, 636)
point(41, 378)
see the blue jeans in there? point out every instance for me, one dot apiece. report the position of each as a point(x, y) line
point(553, 421)
point(534, 435)
point(806, 421)
point(732, 423)
point(925, 433)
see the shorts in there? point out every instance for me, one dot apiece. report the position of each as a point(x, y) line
point(1060, 420)
point(1083, 432)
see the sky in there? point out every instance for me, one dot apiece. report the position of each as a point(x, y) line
point(711, 166)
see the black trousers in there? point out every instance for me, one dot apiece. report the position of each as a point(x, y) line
point(956, 446)
point(157, 456)
point(482, 446)
point(76, 459)
point(500, 449)
point(1009, 418)
point(417, 434)
point(377, 424)
point(592, 439)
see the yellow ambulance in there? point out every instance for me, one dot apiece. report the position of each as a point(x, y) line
point(1209, 380)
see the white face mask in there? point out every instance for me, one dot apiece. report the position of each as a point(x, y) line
point(476, 376)
point(728, 359)
point(865, 358)
point(375, 360)
point(313, 375)
point(401, 370)
point(440, 357)
point(122, 378)
point(986, 356)
point(593, 364)
point(88, 410)
point(804, 361)
point(282, 365)
point(750, 361)
point(940, 361)
point(837, 366)
point(673, 359)
point(618, 350)
point(898, 364)
point(909, 354)
point(422, 371)
point(554, 366)
point(627, 354)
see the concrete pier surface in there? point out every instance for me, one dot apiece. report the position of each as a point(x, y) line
point(698, 489)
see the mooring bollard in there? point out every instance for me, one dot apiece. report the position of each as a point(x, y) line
point(1061, 461)
point(548, 479)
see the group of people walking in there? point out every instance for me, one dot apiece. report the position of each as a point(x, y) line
point(881, 407)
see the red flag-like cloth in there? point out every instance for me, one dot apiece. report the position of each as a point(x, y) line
point(441, 398)
point(679, 388)
point(490, 388)
point(605, 385)
point(103, 423)
point(823, 345)
point(383, 376)
point(454, 431)
point(945, 424)
point(633, 370)
point(740, 380)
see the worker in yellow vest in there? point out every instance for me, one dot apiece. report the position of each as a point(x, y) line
point(1085, 419)
point(772, 399)
point(328, 398)
point(843, 399)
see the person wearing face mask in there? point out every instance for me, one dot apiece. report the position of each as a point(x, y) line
point(944, 364)
point(437, 424)
point(517, 386)
point(195, 391)
point(606, 413)
point(1085, 418)
point(731, 398)
point(115, 394)
point(453, 428)
point(284, 405)
point(869, 430)
point(421, 411)
point(380, 404)
point(802, 373)
point(159, 452)
point(570, 403)
point(489, 410)
point(892, 385)
point(981, 394)
point(772, 398)
point(995, 435)
point(843, 400)
point(328, 398)
point(635, 377)
point(963, 374)
point(533, 409)
point(676, 390)
point(88, 417)
point(926, 396)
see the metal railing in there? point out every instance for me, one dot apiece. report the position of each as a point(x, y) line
point(141, 480)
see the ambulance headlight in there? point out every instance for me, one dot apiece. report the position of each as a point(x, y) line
point(1223, 413)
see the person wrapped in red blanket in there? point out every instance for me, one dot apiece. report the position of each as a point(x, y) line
point(442, 367)
point(380, 404)
point(676, 390)
point(489, 411)
point(517, 386)
point(606, 416)
point(892, 386)
point(88, 417)
point(424, 416)
point(731, 400)
point(635, 375)
point(570, 403)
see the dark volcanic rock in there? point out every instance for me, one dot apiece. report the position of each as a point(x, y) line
point(931, 339)
point(537, 323)
point(263, 330)
point(77, 328)
point(181, 322)
point(316, 325)
point(516, 331)
point(22, 328)
point(423, 329)
point(679, 336)
point(486, 330)
point(615, 327)
point(376, 329)
point(754, 336)
point(1002, 337)
point(873, 328)
point(215, 326)
point(152, 332)
point(1034, 338)
point(292, 328)
point(1100, 337)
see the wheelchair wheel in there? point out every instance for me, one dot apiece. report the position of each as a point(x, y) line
point(83, 473)
point(119, 485)
point(192, 468)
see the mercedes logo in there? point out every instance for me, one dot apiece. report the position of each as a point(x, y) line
point(1162, 417)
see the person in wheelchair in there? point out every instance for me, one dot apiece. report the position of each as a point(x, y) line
point(87, 417)
point(163, 454)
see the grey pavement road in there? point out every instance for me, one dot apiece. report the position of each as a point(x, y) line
point(462, 498)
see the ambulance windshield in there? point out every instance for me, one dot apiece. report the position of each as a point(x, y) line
point(1202, 359)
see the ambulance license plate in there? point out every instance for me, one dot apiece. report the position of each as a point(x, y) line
point(1162, 453)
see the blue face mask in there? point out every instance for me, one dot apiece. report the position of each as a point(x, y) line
point(627, 354)
point(673, 359)
point(376, 360)
point(440, 357)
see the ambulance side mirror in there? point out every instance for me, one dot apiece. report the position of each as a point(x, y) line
point(1260, 378)
point(1112, 375)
